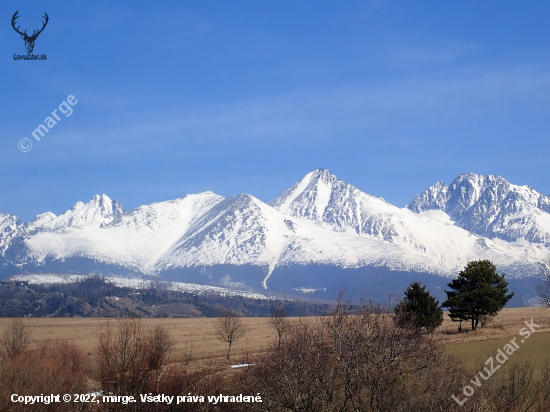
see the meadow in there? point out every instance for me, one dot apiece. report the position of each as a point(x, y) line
point(408, 371)
point(195, 339)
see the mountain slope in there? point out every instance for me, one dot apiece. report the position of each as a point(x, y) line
point(134, 240)
point(338, 206)
point(10, 227)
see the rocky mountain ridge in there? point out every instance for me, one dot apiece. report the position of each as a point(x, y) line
point(320, 222)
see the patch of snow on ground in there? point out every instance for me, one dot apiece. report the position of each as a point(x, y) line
point(241, 365)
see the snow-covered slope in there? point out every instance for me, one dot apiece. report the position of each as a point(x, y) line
point(320, 220)
point(10, 227)
point(489, 206)
point(134, 240)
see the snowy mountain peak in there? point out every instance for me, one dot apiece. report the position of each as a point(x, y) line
point(490, 206)
point(323, 198)
point(323, 175)
point(309, 197)
point(99, 211)
point(47, 216)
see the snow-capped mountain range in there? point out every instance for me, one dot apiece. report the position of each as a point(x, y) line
point(316, 233)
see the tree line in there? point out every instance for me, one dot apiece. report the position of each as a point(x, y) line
point(95, 297)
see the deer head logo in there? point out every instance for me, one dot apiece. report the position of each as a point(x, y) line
point(29, 40)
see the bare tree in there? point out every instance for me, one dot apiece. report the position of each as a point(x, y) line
point(131, 361)
point(279, 322)
point(230, 328)
point(543, 288)
point(15, 340)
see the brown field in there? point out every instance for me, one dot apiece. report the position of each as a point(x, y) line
point(195, 339)
point(507, 323)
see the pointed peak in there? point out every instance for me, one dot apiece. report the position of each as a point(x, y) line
point(101, 199)
point(244, 197)
point(321, 174)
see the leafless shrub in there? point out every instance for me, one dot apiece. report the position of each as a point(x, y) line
point(514, 390)
point(279, 322)
point(510, 390)
point(364, 361)
point(159, 345)
point(377, 355)
point(52, 368)
point(229, 328)
point(543, 396)
point(15, 340)
point(299, 374)
point(178, 381)
point(131, 361)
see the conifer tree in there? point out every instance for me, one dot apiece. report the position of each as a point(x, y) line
point(478, 292)
point(420, 308)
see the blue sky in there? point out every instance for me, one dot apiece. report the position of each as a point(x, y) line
point(178, 97)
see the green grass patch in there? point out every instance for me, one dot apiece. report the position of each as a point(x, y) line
point(535, 350)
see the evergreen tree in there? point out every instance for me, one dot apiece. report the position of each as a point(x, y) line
point(478, 292)
point(420, 308)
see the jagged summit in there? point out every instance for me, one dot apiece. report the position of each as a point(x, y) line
point(489, 206)
point(315, 196)
point(99, 211)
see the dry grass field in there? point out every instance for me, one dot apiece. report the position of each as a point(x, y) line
point(507, 323)
point(195, 339)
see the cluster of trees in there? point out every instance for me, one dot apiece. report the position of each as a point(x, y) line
point(477, 294)
point(93, 297)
